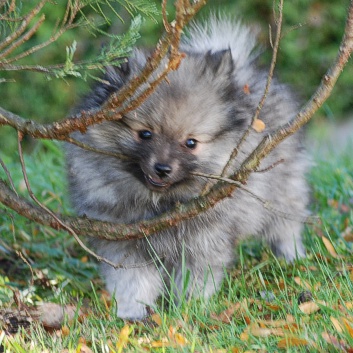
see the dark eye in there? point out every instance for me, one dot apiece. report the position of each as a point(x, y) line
point(145, 134)
point(191, 143)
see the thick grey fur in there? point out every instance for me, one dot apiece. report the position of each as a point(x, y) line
point(204, 100)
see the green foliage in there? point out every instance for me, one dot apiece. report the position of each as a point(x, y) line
point(311, 34)
point(54, 258)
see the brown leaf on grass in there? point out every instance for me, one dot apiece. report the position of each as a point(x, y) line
point(226, 315)
point(160, 343)
point(180, 340)
point(157, 319)
point(278, 323)
point(292, 341)
point(123, 337)
point(334, 341)
point(310, 307)
point(65, 331)
point(337, 325)
point(82, 348)
point(176, 338)
point(244, 336)
point(348, 326)
point(258, 125)
point(347, 234)
point(273, 307)
point(307, 285)
point(329, 247)
point(265, 332)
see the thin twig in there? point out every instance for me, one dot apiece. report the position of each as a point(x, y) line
point(8, 174)
point(64, 225)
point(23, 258)
point(19, 31)
point(22, 39)
point(96, 150)
point(266, 204)
point(110, 110)
point(165, 18)
point(273, 165)
point(228, 166)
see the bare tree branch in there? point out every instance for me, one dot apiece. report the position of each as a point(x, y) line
point(195, 206)
point(110, 111)
point(62, 223)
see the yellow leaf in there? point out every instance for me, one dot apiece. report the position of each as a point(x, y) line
point(338, 326)
point(329, 247)
point(302, 283)
point(226, 315)
point(309, 308)
point(157, 319)
point(261, 332)
point(258, 125)
point(292, 341)
point(123, 338)
point(82, 348)
point(340, 344)
point(171, 332)
point(244, 336)
point(180, 339)
point(348, 234)
point(161, 343)
point(348, 326)
point(349, 305)
point(65, 331)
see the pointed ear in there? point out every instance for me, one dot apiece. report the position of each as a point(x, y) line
point(118, 75)
point(220, 62)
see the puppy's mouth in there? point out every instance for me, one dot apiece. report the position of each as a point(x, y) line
point(156, 183)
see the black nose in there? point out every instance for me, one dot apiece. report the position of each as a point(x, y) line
point(162, 170)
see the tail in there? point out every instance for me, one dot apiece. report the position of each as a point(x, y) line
point(222, 33)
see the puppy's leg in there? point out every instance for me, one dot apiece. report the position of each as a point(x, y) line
point(204, 265)
point(285, 238)
point(133, 289)
point(135, 286)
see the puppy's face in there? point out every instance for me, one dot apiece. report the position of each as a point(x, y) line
point(186, 125)
point(162, 161)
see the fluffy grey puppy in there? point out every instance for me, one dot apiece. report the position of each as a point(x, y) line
point(189, 124)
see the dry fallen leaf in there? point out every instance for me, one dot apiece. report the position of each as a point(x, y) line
point(123, 338)
point(161, 343)
point(244, 336)
point(82, 348)
point(348, 326)
point(310, 307)
point(65, 331)
point(302, 283)
point(180, 340)
point(292, 341)
point(347, 234)
point(258, 125)
point(226, 315)
point(264, 332)
point(329, 247)
point(333, 340)
point(157, 319)
point(337, 325)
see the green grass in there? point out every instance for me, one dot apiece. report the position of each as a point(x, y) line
point(259, 288)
